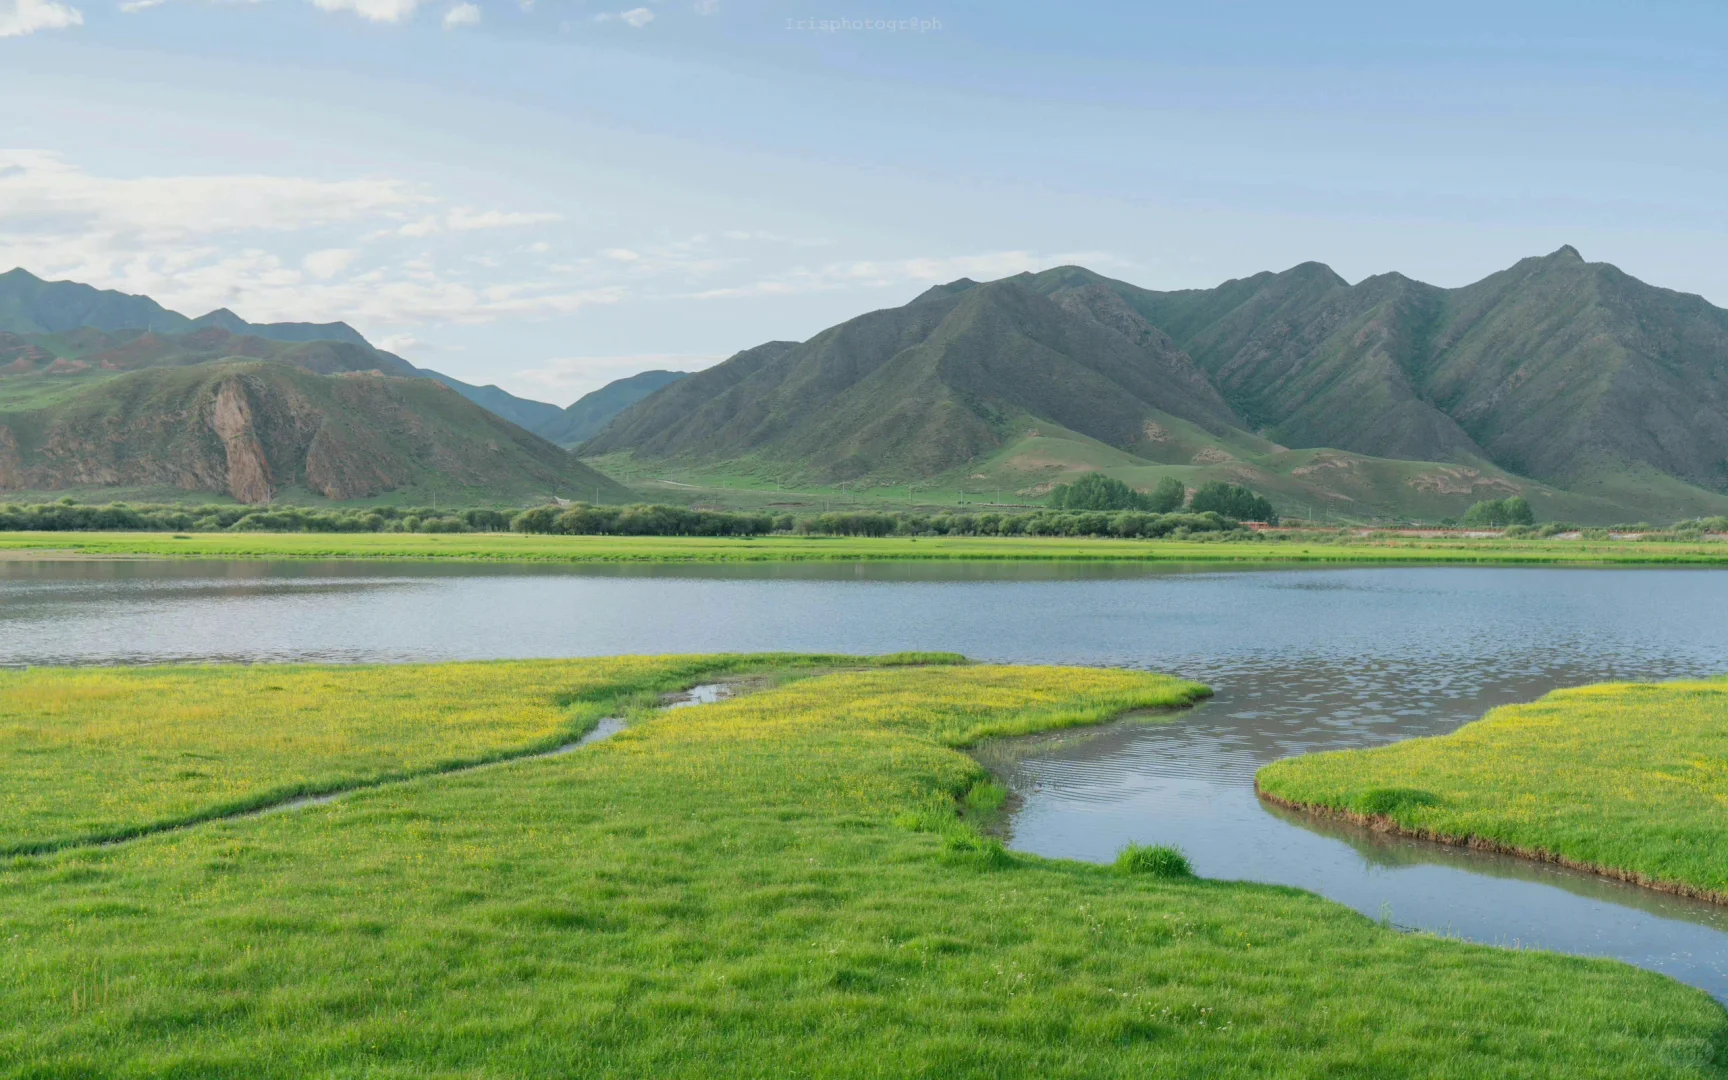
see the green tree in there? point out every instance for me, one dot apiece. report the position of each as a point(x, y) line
point(1168, 496)
point(1232, 501)
point(1095, 491)
point(1500, 512)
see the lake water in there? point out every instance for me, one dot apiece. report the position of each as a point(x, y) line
point(1301, 660)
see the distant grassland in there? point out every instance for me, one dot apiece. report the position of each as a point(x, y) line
point(509, 547)
point(102, 753)
point(1625, 778)
point(787, 884)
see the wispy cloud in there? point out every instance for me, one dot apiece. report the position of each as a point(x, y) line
point(380, 11)
point(636, 17)
point(20, 17)
point(877, 274)
point(201, 242)
point(462, 15)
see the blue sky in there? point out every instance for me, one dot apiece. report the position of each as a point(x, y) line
point(548, 194)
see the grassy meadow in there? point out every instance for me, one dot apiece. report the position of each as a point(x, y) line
point(90, 754)
point(512, 547)
point(789, 883)
point(1625, 778)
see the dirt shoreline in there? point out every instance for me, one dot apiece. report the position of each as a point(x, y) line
point(1382, 824)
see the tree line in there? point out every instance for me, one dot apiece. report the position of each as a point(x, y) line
point(582, 519)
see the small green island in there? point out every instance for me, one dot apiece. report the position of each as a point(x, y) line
point(1623, 779)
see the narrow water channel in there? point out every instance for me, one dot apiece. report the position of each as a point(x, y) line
point(1301, 660)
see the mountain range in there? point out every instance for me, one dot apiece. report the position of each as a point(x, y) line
point(102, 390)
point(68, 328)
point(1568, 381)
point(1596, 396)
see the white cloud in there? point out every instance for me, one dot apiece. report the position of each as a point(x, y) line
point(621, 255)
point(567, 378)
point(706, 7)
point(883, 274)
point(133, 7)
point(636, 17)
point(20, 17)
point(387, 11)
point(41, 189)
point(462, 219)
point(261, 245)
point(396, 343)
point(461, 15)
point(326, 264)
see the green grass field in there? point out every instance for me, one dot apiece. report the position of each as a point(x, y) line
point(1624, 778)
point(90, 754)
point(786, 884)
point(509, 547)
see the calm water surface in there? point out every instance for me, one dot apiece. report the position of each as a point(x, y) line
point(1301, 659)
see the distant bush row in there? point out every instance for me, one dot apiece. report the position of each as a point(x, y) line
point(585, 520)
point(1127, 523)
point(69, 516)
point(1095, 491)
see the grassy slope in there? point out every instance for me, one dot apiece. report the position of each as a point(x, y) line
point(773, 886)
point(1318, 483)
point(39, 391)
point(508, 547)
point(1626, 778)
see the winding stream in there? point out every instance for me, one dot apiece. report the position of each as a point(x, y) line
point(1301, 659)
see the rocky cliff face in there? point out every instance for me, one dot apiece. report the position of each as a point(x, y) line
point(231, 419)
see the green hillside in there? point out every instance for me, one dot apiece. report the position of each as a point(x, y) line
point(261, 430)
point(590, 413)
point(1568, 371)
point(921, 390)
point(1597, 397)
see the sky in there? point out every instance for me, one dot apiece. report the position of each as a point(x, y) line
point(550, 194)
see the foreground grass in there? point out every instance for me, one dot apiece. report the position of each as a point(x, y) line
point(774, 886)
point(1626, 778)
point(509, 547)
point(91, 754)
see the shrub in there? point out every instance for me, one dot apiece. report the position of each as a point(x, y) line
point(1156, 860)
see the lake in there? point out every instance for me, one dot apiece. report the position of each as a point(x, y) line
point(1301, 660)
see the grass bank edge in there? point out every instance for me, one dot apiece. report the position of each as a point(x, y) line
point(631, 701)
point(510, 548)
point(1383, 823)
point(1394, 809)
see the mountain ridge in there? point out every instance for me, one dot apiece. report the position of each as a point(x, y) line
point(1557, 370)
